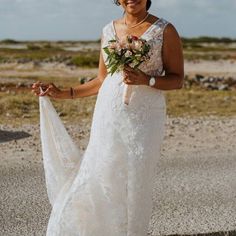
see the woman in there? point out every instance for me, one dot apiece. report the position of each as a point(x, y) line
point(108, 191)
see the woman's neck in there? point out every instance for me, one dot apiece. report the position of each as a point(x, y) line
point(132, 19)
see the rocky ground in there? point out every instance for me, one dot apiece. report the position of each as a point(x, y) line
point(211, 75)
point(195, 189)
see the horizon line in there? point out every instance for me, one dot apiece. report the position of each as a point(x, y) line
point(98, 39)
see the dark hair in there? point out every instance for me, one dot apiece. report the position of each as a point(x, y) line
point(148, 5)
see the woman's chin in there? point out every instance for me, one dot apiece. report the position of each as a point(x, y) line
point(132, 8)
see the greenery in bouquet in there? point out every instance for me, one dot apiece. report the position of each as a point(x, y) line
point(131, 51)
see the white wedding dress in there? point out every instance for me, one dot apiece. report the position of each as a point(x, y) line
point(107, 190)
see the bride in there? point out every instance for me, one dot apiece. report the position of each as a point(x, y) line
point(107, 190)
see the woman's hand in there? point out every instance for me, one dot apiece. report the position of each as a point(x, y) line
point(38, 87)
point(50, 90)
point(135, 76)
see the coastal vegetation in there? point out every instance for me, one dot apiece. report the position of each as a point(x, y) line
point(67, 63)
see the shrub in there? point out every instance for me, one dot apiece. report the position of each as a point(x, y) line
point(33, 47)
point(9, 41)
point(86, 61)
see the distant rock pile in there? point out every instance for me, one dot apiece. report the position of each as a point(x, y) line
point(211, 82)
point(204, 82)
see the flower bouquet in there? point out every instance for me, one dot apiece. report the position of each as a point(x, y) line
point(131, 51)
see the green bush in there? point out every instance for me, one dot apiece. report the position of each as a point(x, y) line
point(206, 39)
point(33, 47)
point(86, 61)
point(49, 46)
point(9, 41)
point(192, 45)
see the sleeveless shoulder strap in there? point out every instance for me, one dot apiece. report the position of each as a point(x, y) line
point(107, 34)
point(158, 29)
point(162, 23)
point(160, 26)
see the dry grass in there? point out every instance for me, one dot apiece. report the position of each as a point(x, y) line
point(199, 102)
point(39, 51)
point(22, 107)
point(17, 106)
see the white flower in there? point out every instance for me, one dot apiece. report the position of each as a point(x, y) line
point(128, 53)
point(138, 56)
point(132, 64)
point(111, 50)
point(119, 52)
point(138, 45)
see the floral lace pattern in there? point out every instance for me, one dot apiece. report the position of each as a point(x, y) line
point(108, 189)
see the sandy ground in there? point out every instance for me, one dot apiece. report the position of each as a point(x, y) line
point(220, 68)
point(195, 188)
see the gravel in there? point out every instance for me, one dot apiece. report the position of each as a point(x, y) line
point(195, 188)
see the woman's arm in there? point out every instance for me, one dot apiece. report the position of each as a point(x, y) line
point(84, 90)
point(173, 64)
point(90, 88)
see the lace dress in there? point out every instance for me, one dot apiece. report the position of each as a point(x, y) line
point(107, 190)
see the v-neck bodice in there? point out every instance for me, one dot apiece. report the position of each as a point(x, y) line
point(154, 36)
point(142, 35)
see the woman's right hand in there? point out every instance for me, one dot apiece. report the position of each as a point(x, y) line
point(41, 89)
point(38, 88)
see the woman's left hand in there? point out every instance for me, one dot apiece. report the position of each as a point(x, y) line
point(135, 76)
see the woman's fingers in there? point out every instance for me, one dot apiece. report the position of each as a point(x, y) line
point(35, 88)
point(126, 77)
point(131, 70)
point(135, 76)
point(130, 81)
point(51, 91)
point(131, 74)
point(129, 78)
point(41, 89)
point(36, 92)
point(38, 86)
point(43, 93)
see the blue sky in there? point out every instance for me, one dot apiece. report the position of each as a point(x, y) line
point(84, 19)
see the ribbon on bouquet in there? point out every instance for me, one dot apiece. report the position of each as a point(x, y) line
point(127, 91)
point(127, 94)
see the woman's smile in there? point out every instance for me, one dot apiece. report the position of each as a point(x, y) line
point(132, 3)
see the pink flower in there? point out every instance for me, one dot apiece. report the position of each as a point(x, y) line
point(134, 37)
